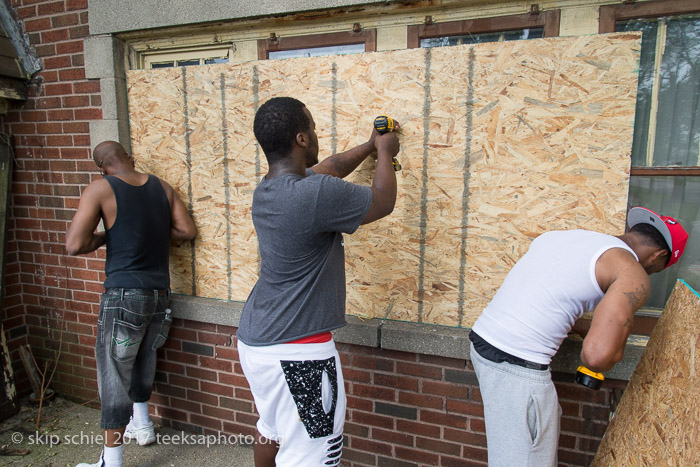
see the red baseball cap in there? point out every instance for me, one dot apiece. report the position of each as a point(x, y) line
point(673, 232)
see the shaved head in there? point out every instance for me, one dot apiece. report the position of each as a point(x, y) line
point(110, 154)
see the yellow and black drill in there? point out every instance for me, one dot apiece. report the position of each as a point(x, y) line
point(384, 124)
point(589, 378)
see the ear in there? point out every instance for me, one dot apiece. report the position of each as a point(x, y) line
point(661, 255)
point(302, 140)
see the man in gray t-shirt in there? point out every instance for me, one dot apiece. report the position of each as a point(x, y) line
point(299, 220)
point(301, 208)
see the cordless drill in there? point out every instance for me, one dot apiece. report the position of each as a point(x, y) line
point(589, 378)
point(384, 124)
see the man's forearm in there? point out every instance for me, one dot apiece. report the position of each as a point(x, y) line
point(599, 366)
point(342, 164)
point(95, 241)
point(179, 235)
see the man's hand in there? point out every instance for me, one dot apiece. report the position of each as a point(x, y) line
point(375, 133)
point(387, 144)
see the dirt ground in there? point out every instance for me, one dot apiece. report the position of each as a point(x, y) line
point(70, 434)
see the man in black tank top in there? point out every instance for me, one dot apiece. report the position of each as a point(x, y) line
point(141, 214)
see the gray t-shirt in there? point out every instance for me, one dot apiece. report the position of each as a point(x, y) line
point(301, 288)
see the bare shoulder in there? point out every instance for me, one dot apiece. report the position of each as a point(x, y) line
point(166, 187)
point(625, 276)
point(618, 262)
point(97, 189)
point(619, 256)
point(165, 184)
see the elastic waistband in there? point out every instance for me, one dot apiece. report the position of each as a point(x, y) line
point(291, 351)
point(122, 292)
point(314, 339)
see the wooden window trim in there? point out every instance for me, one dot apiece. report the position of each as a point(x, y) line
point(665, 171)
point(366, 36)
point(610, 14)
point(549, 20)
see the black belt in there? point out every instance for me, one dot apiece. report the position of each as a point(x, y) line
point(125, 292)
point(496, 355)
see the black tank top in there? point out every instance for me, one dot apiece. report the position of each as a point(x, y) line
point(138, 242)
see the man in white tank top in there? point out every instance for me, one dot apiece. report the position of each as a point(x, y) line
point(562, 275)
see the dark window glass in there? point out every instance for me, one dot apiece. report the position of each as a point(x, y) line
point(520, 34)
point(162, 65)
point(188, 62)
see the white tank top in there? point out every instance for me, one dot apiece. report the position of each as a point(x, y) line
point(547, 290)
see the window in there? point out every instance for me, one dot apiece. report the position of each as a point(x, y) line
point(530, 33)
point(185, 57)
point(667, 127)
point(317, 51)
point(665, 173)
point(500, 28)
point(336, 43)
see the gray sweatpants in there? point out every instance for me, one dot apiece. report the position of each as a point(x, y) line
point(521, 411)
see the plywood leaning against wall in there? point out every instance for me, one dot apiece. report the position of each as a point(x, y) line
point(656, 422)
point(500, 142)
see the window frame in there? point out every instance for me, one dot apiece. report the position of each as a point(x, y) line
point(547, 20)
point(368, 37)
point(610, 15)
point(148, 58)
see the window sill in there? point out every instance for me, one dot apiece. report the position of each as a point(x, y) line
point(423, 339)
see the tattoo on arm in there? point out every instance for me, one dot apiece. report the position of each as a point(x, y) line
point(342, 166)
point(628, 323)
point(637, 297)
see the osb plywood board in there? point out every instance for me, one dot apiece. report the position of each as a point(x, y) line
point(500, 142)
point(656, 422)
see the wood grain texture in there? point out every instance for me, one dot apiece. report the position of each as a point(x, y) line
point(656, 422)
point(500, 142)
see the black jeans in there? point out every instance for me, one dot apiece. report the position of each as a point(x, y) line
point(132, 325)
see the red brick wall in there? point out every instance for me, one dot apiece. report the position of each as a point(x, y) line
point(46, 290)
point(403, 408)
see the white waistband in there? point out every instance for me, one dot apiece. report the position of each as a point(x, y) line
point(292, 351)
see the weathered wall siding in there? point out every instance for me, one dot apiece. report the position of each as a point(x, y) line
point(500, 142)
point(656, 422)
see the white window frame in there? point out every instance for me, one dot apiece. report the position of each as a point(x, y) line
point(148, 59)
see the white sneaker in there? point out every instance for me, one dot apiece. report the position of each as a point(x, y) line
point(144, 436)
point(99, 463)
